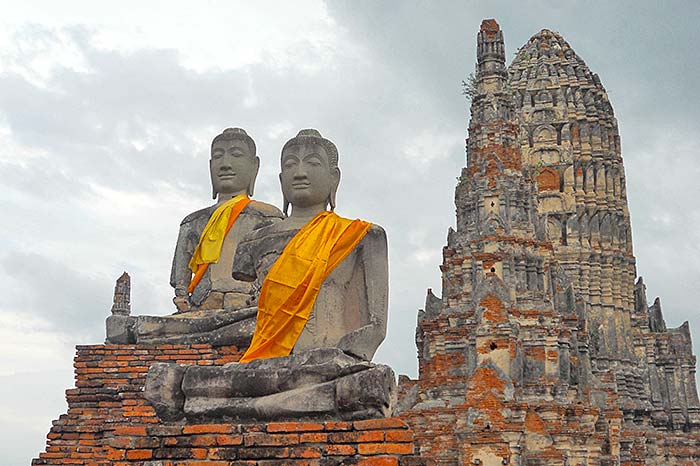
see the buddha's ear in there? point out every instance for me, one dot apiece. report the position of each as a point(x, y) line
point(251, 183)
point(335, 181)
point(211, 176)
point(285, 201)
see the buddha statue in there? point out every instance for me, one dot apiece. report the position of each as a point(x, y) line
point(321, 312)
point(211, 306)
point(233, 168)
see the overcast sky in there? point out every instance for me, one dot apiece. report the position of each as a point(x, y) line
point(107, 114)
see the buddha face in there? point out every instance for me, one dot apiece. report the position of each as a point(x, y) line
point(307, 178)
point(232, 167)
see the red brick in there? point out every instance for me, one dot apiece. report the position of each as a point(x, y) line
point(139, 454)
point(262, 439)
point(232, 439)
point(203, 441)
point(398, 436)
point(338, 425)
point(294, 426)
point(207, 429)
point(343, 437)
point(370, 436)
point(388, 423)
point(112, 454)
point(340, 450)
point(379, 448)
point(304, 452)
point(379, 461)
point(203, 463)
point(263, 453)
point(199, 453)
point(130, 430)
point(313, 437)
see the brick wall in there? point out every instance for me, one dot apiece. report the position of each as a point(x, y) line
point(109, 422)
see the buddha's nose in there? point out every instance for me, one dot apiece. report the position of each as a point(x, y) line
point(300, 172)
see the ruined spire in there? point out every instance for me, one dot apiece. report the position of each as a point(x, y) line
point(490, 50)
point(122, 296)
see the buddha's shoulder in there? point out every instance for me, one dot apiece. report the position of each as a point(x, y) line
point(273, 232)
point(263, 209)
point(198, 215)
point(375, 234)
point(375, 229)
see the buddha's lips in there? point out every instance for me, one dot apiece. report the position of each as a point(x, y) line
point(300, 185)
point(226, 176)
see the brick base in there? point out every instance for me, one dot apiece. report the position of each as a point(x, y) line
point(109, 422)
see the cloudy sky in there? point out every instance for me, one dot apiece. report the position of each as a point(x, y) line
point(107, 113)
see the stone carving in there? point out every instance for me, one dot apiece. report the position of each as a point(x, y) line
point(118, 323)
point(217, 311)
point(328, 375)
point(122, 296)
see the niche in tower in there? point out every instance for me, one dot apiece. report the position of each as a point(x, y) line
point(492, 205)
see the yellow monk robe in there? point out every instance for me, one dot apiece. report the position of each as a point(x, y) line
point(212, 238)
point(290, 289)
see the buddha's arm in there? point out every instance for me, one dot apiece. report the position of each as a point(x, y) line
point(180, 273)
point(364, 341)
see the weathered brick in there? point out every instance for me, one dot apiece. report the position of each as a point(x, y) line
point(294, 426)
point(398, 435)
point(388, 423)
point(139, 454)
point(340, 450)
point(379, 461)
point(230, 439)
point(263, 452)
point(262, 439)
point(207, 429)
point(304, 452)
point(313, 437)
point(130, 430)
point(337, 425)
point(379, 448)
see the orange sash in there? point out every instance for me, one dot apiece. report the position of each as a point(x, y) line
point(290, 289)
point(213, 239)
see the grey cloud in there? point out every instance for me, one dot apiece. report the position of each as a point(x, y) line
point(66, 299)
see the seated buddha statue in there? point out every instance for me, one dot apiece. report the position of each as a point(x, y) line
point(211, 305)
point(321, 312)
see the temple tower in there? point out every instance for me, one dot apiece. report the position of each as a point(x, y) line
point(570, 144)
point(507, 333)
point(541, 328)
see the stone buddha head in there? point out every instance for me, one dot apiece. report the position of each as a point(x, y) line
point(309, 171)
point(233, 165)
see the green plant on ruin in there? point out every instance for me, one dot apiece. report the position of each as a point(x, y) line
point(469, 87)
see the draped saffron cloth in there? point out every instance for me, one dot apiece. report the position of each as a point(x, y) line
point(212, 238)
point(291, 286)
